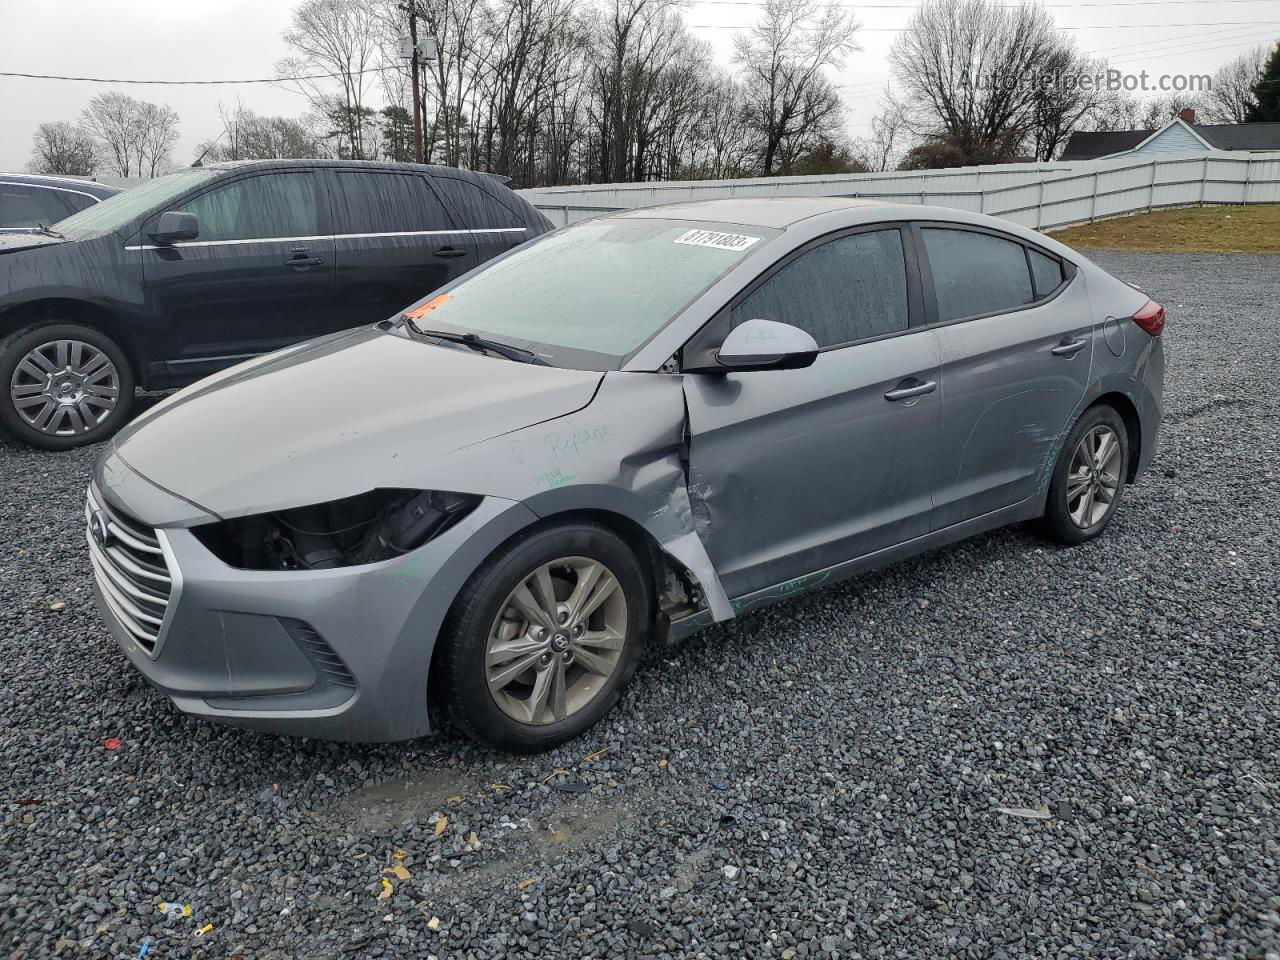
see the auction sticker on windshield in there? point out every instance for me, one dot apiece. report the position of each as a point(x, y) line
point(721, 241)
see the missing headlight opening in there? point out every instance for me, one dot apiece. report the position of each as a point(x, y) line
point(373, 526)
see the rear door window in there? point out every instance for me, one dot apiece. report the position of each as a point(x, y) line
point(369, 202)
point(476, 208)
point(266, 206)
point(850, 288)
point(975, 274)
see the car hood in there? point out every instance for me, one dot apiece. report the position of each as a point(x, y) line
point(335, 417)
point(12, 242)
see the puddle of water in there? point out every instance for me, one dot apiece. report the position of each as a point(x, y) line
point(385, 805)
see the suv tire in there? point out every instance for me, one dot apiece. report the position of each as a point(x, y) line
point(63, 385)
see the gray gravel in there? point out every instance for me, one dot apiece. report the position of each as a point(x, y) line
point(824, 778)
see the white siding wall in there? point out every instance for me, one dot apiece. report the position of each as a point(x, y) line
point(1170, 140)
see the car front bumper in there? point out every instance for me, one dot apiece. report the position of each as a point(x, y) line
point(340, 654)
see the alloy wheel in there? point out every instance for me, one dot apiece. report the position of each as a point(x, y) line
point(65, 388)
point(1093, 480)
point(557, 640)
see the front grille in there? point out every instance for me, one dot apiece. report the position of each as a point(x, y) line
point(131, 571)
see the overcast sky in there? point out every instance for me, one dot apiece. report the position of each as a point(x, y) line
point(236, 39)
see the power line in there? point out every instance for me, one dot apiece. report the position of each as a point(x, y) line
point(1107, 26)
point(1009, 6)
point(194, 83)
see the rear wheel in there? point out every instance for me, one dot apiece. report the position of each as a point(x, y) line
point(1089, 477)
point(64, 386)
point(544, 637)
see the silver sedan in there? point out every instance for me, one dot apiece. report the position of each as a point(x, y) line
point(489, 504)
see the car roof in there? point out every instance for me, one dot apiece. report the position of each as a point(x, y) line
point(435, 169)
point(92, 187)
point(776, 212)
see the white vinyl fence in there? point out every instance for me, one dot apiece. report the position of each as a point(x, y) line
point(1042, 196)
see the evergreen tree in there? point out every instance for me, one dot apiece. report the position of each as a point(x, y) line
point(1267, 92)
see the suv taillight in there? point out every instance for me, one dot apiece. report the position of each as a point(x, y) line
point(1151, 318)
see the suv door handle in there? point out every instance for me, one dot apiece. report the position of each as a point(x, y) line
point(299, 260)
point(448, 253)
point(1069, 348)
point(904, 392)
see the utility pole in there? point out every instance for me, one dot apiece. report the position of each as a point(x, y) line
point(417, 93)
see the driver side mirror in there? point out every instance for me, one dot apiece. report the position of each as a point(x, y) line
point(175, 226)
point(763, 345)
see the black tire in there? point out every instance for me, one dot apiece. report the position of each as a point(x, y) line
point(1058, 522)
point(20, 343)
point(460, 673)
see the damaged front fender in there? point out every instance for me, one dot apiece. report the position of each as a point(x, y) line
point(623, 454)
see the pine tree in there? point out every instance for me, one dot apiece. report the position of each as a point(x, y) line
point(1266, 92)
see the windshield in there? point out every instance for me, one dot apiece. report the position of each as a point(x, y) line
point(125, 207)
point(592, 294)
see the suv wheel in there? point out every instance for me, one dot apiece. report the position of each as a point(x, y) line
point(1088, 478)
point(544, 636)
point(64, 386)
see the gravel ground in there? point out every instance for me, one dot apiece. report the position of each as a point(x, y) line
point(824, 778)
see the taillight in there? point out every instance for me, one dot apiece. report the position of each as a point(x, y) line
point(1151, 318)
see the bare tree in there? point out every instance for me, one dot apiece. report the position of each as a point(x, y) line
point(1156, 113)
point(112, 119)
point(1231, 96)
point(340, 38)
point(726, 144)
point(1066, 99)
point(64, 148)
point(789, 99)
point(881, 149)
point(248, 136)
point(971, 72)
point(568, 91)
point(157, 134)
point(134, 137)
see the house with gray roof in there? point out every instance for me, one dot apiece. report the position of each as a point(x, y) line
point(1180, 135)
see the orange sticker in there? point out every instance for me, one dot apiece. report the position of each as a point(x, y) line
point(427, 307)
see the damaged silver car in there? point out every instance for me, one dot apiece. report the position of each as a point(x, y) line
point(608, 438)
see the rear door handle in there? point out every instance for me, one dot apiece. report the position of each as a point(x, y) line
point(1069, 348)
point(909, 393)
point(301, 261)
point(448, 253)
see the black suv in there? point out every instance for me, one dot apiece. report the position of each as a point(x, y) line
point(189, 273)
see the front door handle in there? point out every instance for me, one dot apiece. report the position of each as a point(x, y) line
point(448, 253)
point(299, 260)
point(1069, 348)
point(902, 392)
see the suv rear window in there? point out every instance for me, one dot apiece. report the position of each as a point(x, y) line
point(373, 202)
point(478, 210)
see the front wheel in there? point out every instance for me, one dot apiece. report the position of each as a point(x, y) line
point(1089, 478)
point(64, 386)
point(544, 636)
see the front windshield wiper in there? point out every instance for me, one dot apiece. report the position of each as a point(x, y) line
point(49, 232)
point(480, 344)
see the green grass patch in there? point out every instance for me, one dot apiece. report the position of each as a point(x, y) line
point(1244, 229)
